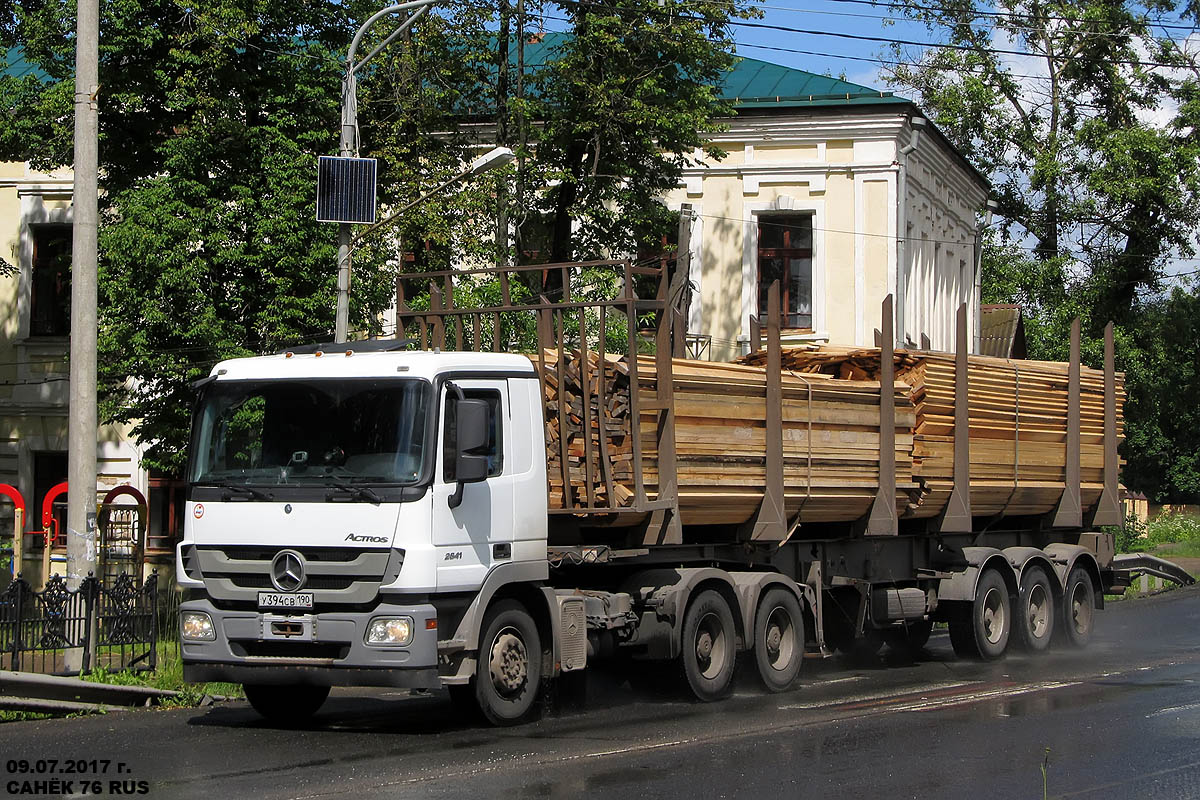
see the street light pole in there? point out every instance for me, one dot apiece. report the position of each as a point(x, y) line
point(349, 143)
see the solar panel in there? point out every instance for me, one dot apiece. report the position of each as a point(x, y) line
point(346, 189)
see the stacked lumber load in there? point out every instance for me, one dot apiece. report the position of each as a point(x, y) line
point(830, 431)
point(1017, 417)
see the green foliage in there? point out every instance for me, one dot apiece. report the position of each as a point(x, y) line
point(1130, 537)
point(1096, 165)
point(212, 118)
point(1169, 532)
point(211, 121)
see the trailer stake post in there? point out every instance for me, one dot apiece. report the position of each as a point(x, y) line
point(1069, 513)
point(881, 520)
point(956, 516)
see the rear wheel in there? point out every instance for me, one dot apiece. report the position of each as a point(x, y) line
point(1079, 607)
point(709, 646)
point(778, 639)
point(286, 705)
point(509, 673)
point(1035, 611)
point(982, 627)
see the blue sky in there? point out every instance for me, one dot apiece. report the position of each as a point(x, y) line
point(832, 55)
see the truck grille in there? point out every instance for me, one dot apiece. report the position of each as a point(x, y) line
point(335, 575)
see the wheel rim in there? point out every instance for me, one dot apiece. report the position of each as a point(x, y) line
point(711, 646)
point(779, 641)
point(995, 616)
point(509, 662)
point(1039, 611)
point(1081, 609)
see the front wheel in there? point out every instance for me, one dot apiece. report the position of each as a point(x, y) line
point(509, 673)
point(286, 705)
point(778, 639)
point(709, 646)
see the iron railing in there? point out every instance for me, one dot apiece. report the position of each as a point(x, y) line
point(111, 627)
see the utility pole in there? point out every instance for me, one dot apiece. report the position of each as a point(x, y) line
point(349, 141)
point(348, 149)
point(81, 428)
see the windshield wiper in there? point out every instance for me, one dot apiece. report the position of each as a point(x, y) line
point(249, 491)
point(359, 492)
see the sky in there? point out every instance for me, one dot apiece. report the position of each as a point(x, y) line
point(831, 54)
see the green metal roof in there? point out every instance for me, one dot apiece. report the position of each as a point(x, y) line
point(761, 84)
point(755, 84)
point(14, 65)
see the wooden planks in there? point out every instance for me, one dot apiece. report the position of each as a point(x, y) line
point(1018, 425)
point(830, 439)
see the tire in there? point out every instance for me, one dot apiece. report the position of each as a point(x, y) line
point(778, 639)
point(911, 638)
point(709, 646)
point(509, 672)
point(1078, 608)
point(286, 705)
point(1035, 611)
point(981, 629)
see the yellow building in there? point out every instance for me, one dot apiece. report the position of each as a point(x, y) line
point(35, 291)
point(810, 194)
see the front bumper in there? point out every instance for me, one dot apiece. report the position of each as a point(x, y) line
point(336, 655)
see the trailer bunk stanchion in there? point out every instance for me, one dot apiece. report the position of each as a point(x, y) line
point(770, 523)
point(882, 520)
point(956, 516)
point(1069, 513)
point(1108, 509)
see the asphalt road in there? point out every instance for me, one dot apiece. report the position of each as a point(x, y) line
point(1119, 719)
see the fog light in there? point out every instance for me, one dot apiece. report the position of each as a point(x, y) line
point(390, 630)
point(197, 626)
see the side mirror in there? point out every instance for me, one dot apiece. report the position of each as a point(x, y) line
point(471, 437)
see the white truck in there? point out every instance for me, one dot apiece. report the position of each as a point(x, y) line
point(367, 514)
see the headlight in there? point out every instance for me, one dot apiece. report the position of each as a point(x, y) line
point(197, 626)
point(390, 630)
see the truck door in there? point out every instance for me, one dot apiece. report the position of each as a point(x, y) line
point(469, 538)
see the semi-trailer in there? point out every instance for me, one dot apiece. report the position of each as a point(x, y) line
point(431, 512)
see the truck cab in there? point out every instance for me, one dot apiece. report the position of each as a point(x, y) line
point(346, 508)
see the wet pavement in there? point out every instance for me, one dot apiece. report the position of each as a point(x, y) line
point(1119, 719)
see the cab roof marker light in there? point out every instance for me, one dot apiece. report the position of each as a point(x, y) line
point(222, 372)
point(402, 368)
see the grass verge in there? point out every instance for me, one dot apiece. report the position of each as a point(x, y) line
point(168, 675)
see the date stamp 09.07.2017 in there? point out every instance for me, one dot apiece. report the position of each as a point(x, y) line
point(54, 777)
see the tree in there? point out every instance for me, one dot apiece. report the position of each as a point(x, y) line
point(211, 120)
point(1084, 116)
point(626, 100)
point(210, 124)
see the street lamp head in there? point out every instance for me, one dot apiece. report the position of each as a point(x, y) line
point(492, 159)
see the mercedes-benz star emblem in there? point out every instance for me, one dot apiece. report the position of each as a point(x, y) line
point(287, 571)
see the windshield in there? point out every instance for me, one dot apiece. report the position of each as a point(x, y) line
point(295, 432)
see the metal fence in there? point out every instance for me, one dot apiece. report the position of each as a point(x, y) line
point(112, 627)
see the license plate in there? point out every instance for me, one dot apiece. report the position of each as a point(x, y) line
point(285, 599)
